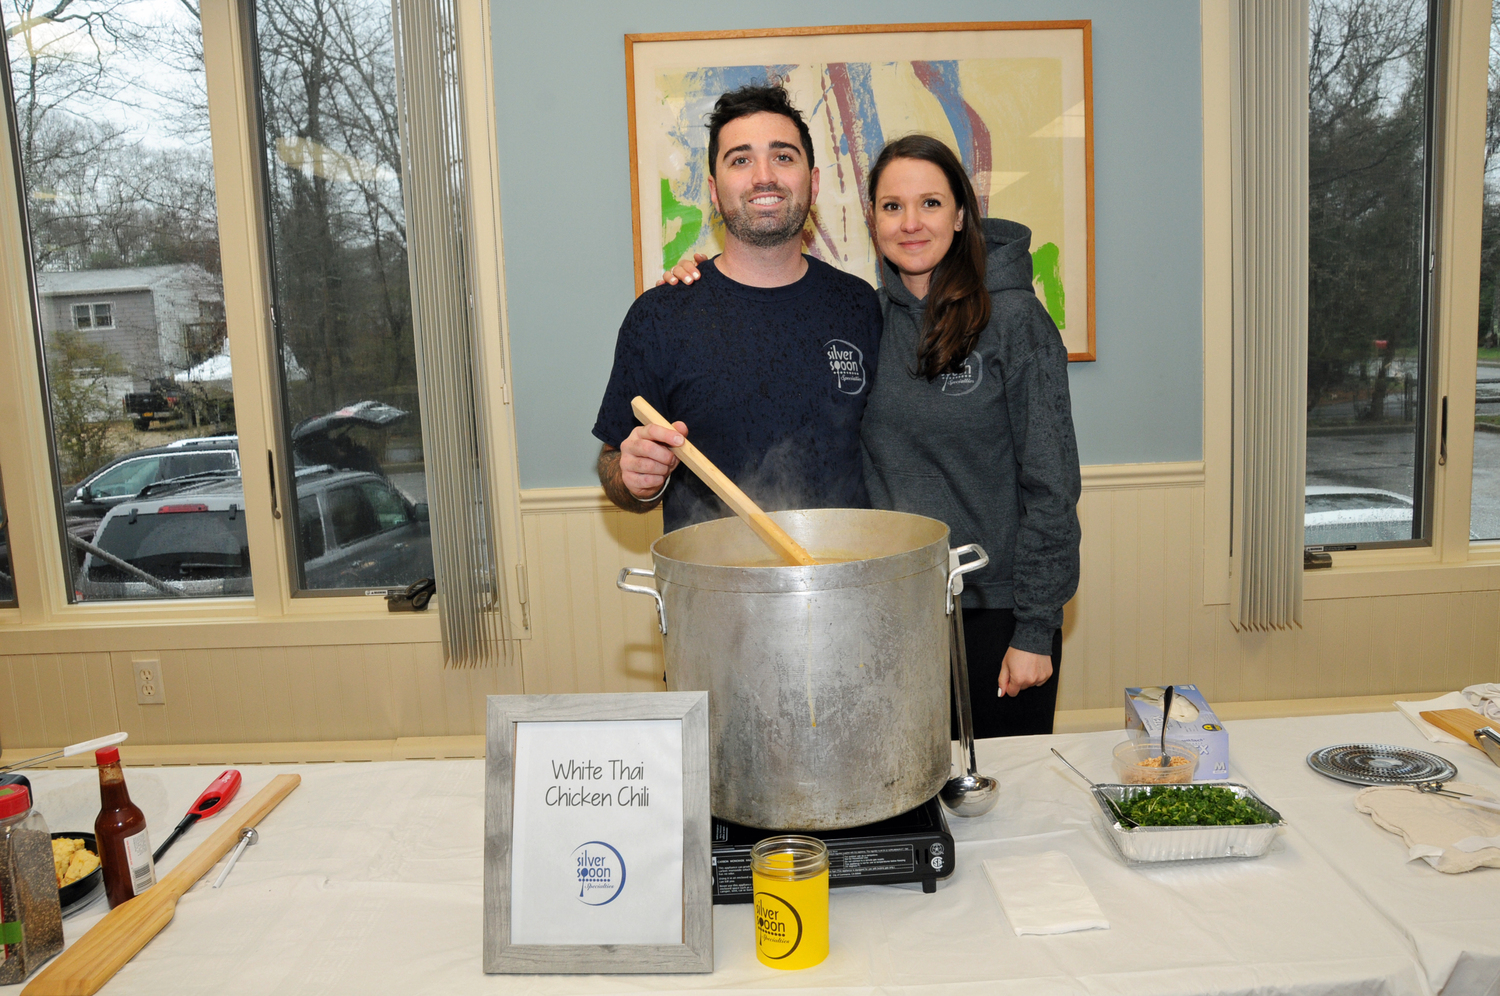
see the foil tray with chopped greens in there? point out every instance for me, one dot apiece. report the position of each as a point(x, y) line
point(1187, 822)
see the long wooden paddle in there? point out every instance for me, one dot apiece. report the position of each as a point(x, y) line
point(774, 536)
point(91, 962)
point(1460, 722)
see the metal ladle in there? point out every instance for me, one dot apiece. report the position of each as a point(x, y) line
point(970, 794)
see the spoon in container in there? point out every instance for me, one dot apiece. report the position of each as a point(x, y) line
point(1166, 713)
point(1113, 808)
point(788, 549)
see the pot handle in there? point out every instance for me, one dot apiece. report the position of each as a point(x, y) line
point(638, 589)
point(957, 570)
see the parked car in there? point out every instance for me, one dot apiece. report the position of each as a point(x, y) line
point(330, 439)
point(355, 530)
point(163, 403)
point(187, 538)
point(199, 442)
point(123, 478)
point(1338, 516)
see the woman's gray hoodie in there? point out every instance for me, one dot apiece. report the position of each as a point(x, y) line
point(988, 450)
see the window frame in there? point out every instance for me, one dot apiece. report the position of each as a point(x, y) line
point(1451, 562)
point(45, 615)
point(92, 307)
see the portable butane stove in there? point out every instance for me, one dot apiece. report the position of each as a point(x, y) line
point(913, 847)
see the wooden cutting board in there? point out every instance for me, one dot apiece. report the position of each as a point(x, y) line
point(1461, 723)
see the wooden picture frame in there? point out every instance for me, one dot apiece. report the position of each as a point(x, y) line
point(1014, 98)
point(504, 714)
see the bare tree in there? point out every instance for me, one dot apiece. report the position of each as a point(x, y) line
point(1367, 88)
point(328, 89)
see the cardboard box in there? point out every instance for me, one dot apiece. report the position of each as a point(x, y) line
point(1193, 724)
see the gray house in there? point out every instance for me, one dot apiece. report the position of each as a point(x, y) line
point(159, 320)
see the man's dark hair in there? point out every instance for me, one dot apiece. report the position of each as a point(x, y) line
point(751, 99)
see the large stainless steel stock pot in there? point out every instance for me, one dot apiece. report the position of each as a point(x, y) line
point(828, 685)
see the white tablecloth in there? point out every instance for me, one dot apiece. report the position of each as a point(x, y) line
point(1453, 921)
point(368, 879)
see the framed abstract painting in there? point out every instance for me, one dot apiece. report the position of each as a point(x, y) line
point(1013, 99)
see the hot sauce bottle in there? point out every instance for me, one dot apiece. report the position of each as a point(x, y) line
point(124, 846)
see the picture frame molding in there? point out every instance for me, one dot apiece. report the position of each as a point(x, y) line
point(696, 952)
point(1086, 26)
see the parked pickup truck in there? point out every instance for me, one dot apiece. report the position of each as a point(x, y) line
point(164, 403)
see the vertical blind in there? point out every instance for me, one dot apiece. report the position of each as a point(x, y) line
point(1270, 315)
point(465, 541)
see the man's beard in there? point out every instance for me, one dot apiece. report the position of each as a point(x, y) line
point(770, 230)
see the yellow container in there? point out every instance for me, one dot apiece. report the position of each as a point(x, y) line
point(791, 901)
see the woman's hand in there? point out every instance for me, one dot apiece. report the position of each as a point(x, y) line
point(1020, 670)
point(683, 272)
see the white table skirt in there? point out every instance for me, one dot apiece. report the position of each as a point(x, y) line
point(368, 879)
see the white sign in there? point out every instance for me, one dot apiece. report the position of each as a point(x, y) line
point(597, 835)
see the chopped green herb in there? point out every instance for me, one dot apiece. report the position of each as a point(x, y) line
point(1191, 806)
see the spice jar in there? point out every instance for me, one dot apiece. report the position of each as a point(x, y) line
point(30, 918)
point(790, 876)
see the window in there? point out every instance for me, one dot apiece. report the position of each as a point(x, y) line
point(111, 107)
point(352, 516)
point(338, 244)
point(126, 478)
point(310, 527)
point(1484, 511)
point(93, 316)
point(390, 510)
point(108, 102)
point(1371, 86)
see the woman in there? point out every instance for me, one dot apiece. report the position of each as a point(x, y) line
point(969, 421)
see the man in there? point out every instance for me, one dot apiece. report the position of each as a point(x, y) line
point(768, 359)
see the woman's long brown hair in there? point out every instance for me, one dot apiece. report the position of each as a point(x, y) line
point(958, 306)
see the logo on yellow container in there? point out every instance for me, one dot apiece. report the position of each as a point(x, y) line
point(778, 927)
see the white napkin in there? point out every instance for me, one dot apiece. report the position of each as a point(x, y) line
point(1485, 698)
point(1453, 700)
point(1449, 834)
point(1043, 894)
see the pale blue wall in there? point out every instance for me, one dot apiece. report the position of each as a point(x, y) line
point(565, 184)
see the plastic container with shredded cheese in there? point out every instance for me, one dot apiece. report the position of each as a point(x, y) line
point(1138, 762)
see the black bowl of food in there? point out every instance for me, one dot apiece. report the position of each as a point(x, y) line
point(81, 874)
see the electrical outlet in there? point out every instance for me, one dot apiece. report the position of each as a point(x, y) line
point(149, 689)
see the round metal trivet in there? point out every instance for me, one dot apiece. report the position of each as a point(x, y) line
point(1380, 764)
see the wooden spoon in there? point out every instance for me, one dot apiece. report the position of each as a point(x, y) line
point(774, 536)
point(91, 962)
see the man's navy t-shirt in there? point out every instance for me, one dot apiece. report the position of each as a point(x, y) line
point(770, 381)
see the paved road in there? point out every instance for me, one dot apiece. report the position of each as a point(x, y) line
point(1385, 460)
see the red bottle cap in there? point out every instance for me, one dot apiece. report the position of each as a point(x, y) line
point(14, 800)
point(107, 755)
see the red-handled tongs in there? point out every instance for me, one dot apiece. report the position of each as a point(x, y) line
point(214, 798)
